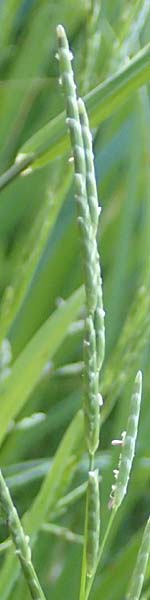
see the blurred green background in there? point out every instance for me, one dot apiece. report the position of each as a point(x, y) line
point(42, 302)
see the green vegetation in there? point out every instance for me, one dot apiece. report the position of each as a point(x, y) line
point(43, 457)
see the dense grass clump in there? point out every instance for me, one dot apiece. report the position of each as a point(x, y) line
point(61, 263)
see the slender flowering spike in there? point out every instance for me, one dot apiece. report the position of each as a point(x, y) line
point(21, 542)
point(128, 446)
point(94, 213)
point(93, 522)
point(94, 208)
point(91, 399)
point(90, 173)
point(137, 579)
point(89, 253)
point(88, 214)
point(73, 123)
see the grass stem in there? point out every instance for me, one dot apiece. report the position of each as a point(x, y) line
point(101, 550)
point(21, 542)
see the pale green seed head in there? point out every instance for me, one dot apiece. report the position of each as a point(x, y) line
point(128, 446)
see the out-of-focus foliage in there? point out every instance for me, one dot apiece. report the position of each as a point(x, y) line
point(42, 301)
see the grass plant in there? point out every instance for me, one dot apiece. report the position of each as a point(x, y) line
point(57, 359)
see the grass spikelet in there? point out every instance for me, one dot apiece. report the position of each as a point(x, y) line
point(92, 198)
point(89, 248)
point(128, 446)
point(99, 327)
point(93, 522)
point(136, 584)
point(91, 402)
point(21, 541)
point(90, 174)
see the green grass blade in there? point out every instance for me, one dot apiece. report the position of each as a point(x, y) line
point(50, 491)
point(51, 140)
point(101, 103)
point(31, 361)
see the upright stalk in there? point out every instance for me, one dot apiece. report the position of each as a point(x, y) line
point(94, 343)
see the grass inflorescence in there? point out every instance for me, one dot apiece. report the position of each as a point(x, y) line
point(88, 215)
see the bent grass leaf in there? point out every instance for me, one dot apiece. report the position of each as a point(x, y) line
point(27, 369)
point(101, 103)
point(51, 140)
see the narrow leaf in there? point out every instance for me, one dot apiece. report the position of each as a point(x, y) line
point(50, 491)
point(16, 389)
